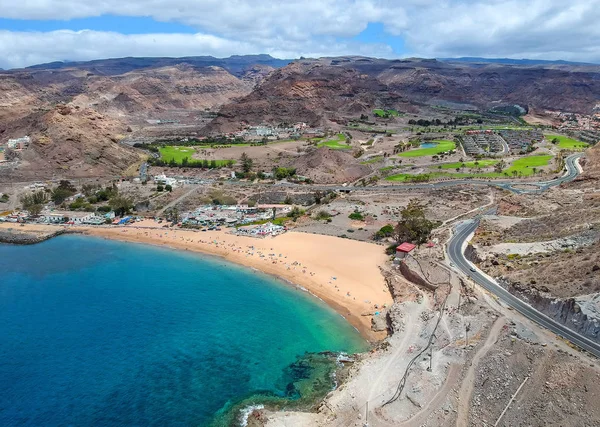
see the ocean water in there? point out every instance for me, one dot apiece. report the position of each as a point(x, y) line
point(103, 333)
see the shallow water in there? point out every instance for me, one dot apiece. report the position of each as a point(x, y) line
point(104, 333)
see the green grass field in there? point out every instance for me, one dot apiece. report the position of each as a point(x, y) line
point(568, 143)
point(383, 113)
point(176, 152)
point(525, 165)
point(179, 153)
point(520, 167)
point(441, 147)
point(335, 144)
point(480, 164)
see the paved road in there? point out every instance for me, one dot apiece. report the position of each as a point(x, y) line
point(456, 255)
point(515, 186)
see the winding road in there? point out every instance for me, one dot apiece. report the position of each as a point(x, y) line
point(572, 170)
point(456, 254)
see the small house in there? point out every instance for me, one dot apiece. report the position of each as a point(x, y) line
point(404, 249)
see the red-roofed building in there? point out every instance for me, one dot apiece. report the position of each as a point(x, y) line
point(430, 244)
point(404, 249)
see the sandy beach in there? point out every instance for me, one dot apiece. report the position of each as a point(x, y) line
point(344, 273)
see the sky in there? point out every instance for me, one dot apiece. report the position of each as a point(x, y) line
point(39, 31)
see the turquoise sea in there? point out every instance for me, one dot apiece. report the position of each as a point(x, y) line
point(102, 333)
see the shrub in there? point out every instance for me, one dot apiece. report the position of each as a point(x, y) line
point(323, 215)
point(356, 216)
point(385, 231)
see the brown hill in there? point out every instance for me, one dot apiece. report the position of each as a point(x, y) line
point(317, 89)
point(71, 142)
point(150, 92)
point(77, 117)
point(327, 166)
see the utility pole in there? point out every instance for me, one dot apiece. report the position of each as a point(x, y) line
point(467, 329)
point(431, 354)
point(366, 424)
point(430, 357)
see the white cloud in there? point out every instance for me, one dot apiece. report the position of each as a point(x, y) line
point(551, 29)
point(20, 49)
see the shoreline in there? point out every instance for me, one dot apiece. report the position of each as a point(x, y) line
point(343, 273)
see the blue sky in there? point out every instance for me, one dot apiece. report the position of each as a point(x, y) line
point(119, 24)
point(37, 31)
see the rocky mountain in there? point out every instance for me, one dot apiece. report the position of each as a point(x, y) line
point(236, 64)
point(316, 89)
point(71, 142)
point(75, 111)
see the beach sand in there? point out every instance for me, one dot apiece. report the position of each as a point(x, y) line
point(344, 273)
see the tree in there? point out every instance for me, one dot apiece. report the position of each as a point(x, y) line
point(499, 167)
point(59, 195)
point(173, 215)
point(120, 205)
point(295, 213)
point(247, 162)
point(555, 140)
point(34, 202)
point(385, 231)
point(168, 188)
point(64, 190)
point(414, 227)
point(160, 187)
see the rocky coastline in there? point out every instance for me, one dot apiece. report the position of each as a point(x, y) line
point(29, 237)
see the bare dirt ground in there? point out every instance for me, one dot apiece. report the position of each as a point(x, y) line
point(480, 358)
point(380, 209)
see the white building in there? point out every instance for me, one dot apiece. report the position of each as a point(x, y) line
point(19, 143)
point(75, 218)
point(163, 179)
point(264, 131)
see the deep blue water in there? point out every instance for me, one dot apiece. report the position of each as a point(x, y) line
point(103, 333)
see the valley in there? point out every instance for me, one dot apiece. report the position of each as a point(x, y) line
point(449, 210)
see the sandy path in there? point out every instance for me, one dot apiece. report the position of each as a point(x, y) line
point(468, 384)
point(420, 418)
point(342, 272)
point(390, 369)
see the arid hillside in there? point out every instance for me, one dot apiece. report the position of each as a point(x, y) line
point(71, 142)
point(147, 93)
point(76, 114)
point(317, 89)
